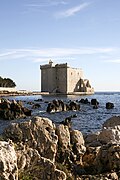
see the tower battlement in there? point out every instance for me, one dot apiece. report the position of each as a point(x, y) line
point(61, 78)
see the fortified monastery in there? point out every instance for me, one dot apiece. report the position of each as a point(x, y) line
point(61, 78)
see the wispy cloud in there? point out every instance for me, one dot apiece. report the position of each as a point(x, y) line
point(116, 61)
point(41, 6)
point(72, 11)
point(39, 55)
point(46, 3)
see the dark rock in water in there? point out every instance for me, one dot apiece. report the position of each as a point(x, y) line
point(30, 103)
point(50, 107)
point(59, 105)
point(94, 102)
point(95, 106)
point(84, 101)
point(109, 105)
point(38, 100)
point(10, 110)
point(67, 122)
point(35, 106)
point(27, 111)
point(74, 106)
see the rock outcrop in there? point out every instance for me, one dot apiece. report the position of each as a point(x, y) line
point(59, 105)
point(37, 149)
point(8, 161)
point(10, 110)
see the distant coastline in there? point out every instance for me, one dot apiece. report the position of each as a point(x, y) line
point(30, 93)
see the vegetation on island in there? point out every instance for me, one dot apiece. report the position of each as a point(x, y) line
point(7, 82)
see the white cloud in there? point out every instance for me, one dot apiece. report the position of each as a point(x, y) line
point(38, 55)
point(113, 61)
point(45, 3)
point(72, 11)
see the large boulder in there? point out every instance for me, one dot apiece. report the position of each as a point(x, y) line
point(63, 136)
point(110, 135)
point(74, 106)
point(8, 161)
point(110, 132)
point(112, 122)
point(10, 110)
point(59, 105)
point(108, 158)
point(109, 105)
point(78, 146)
point(33, 166)
point(94, 102)
point(38, 133)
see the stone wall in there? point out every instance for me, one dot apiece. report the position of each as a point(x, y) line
point(61, 78)
point(73, 77)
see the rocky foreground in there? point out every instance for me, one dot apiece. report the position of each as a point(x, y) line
point(39, 150)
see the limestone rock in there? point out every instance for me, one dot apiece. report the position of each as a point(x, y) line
point(92, 140)
point(108, 158)
point(89, 159)
point(38, 133)
point(114, 157)
point(77, 142)
point(110, 135)
point(8, 161)
point(63, 136)
point(34, 166)
point(77, 137)
point(112, 122)
point(10, 110)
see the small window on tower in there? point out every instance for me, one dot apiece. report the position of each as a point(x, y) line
point(71, 73)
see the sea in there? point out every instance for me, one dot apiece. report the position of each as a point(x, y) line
point(87, 120)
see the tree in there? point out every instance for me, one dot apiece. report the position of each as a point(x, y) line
point(6, 82)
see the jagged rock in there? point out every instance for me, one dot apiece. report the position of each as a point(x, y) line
point(63, 136)
point(59, 105)
point(94, 102)
point(26, 111)
point(10, 110)
point(114, 157)
point(84, 101)
point(40, 146)
point(105, 176)
point(89, 159)
point(78, 147)
point(8, 161)
point(74, 106)
point(77, 137)
point(35, 106)
point(38, 133)
point(109, 105)
point(110, 135)
point(108, 158)
point(110, 132)
point(32, 165)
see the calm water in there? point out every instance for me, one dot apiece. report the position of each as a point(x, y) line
point(88, 119)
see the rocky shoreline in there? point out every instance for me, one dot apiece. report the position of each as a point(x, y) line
point(39, 149)
point(21, 93)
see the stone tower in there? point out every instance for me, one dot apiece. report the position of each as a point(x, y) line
point(61, 78)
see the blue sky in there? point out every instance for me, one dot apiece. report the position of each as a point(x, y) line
point(84, 33)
